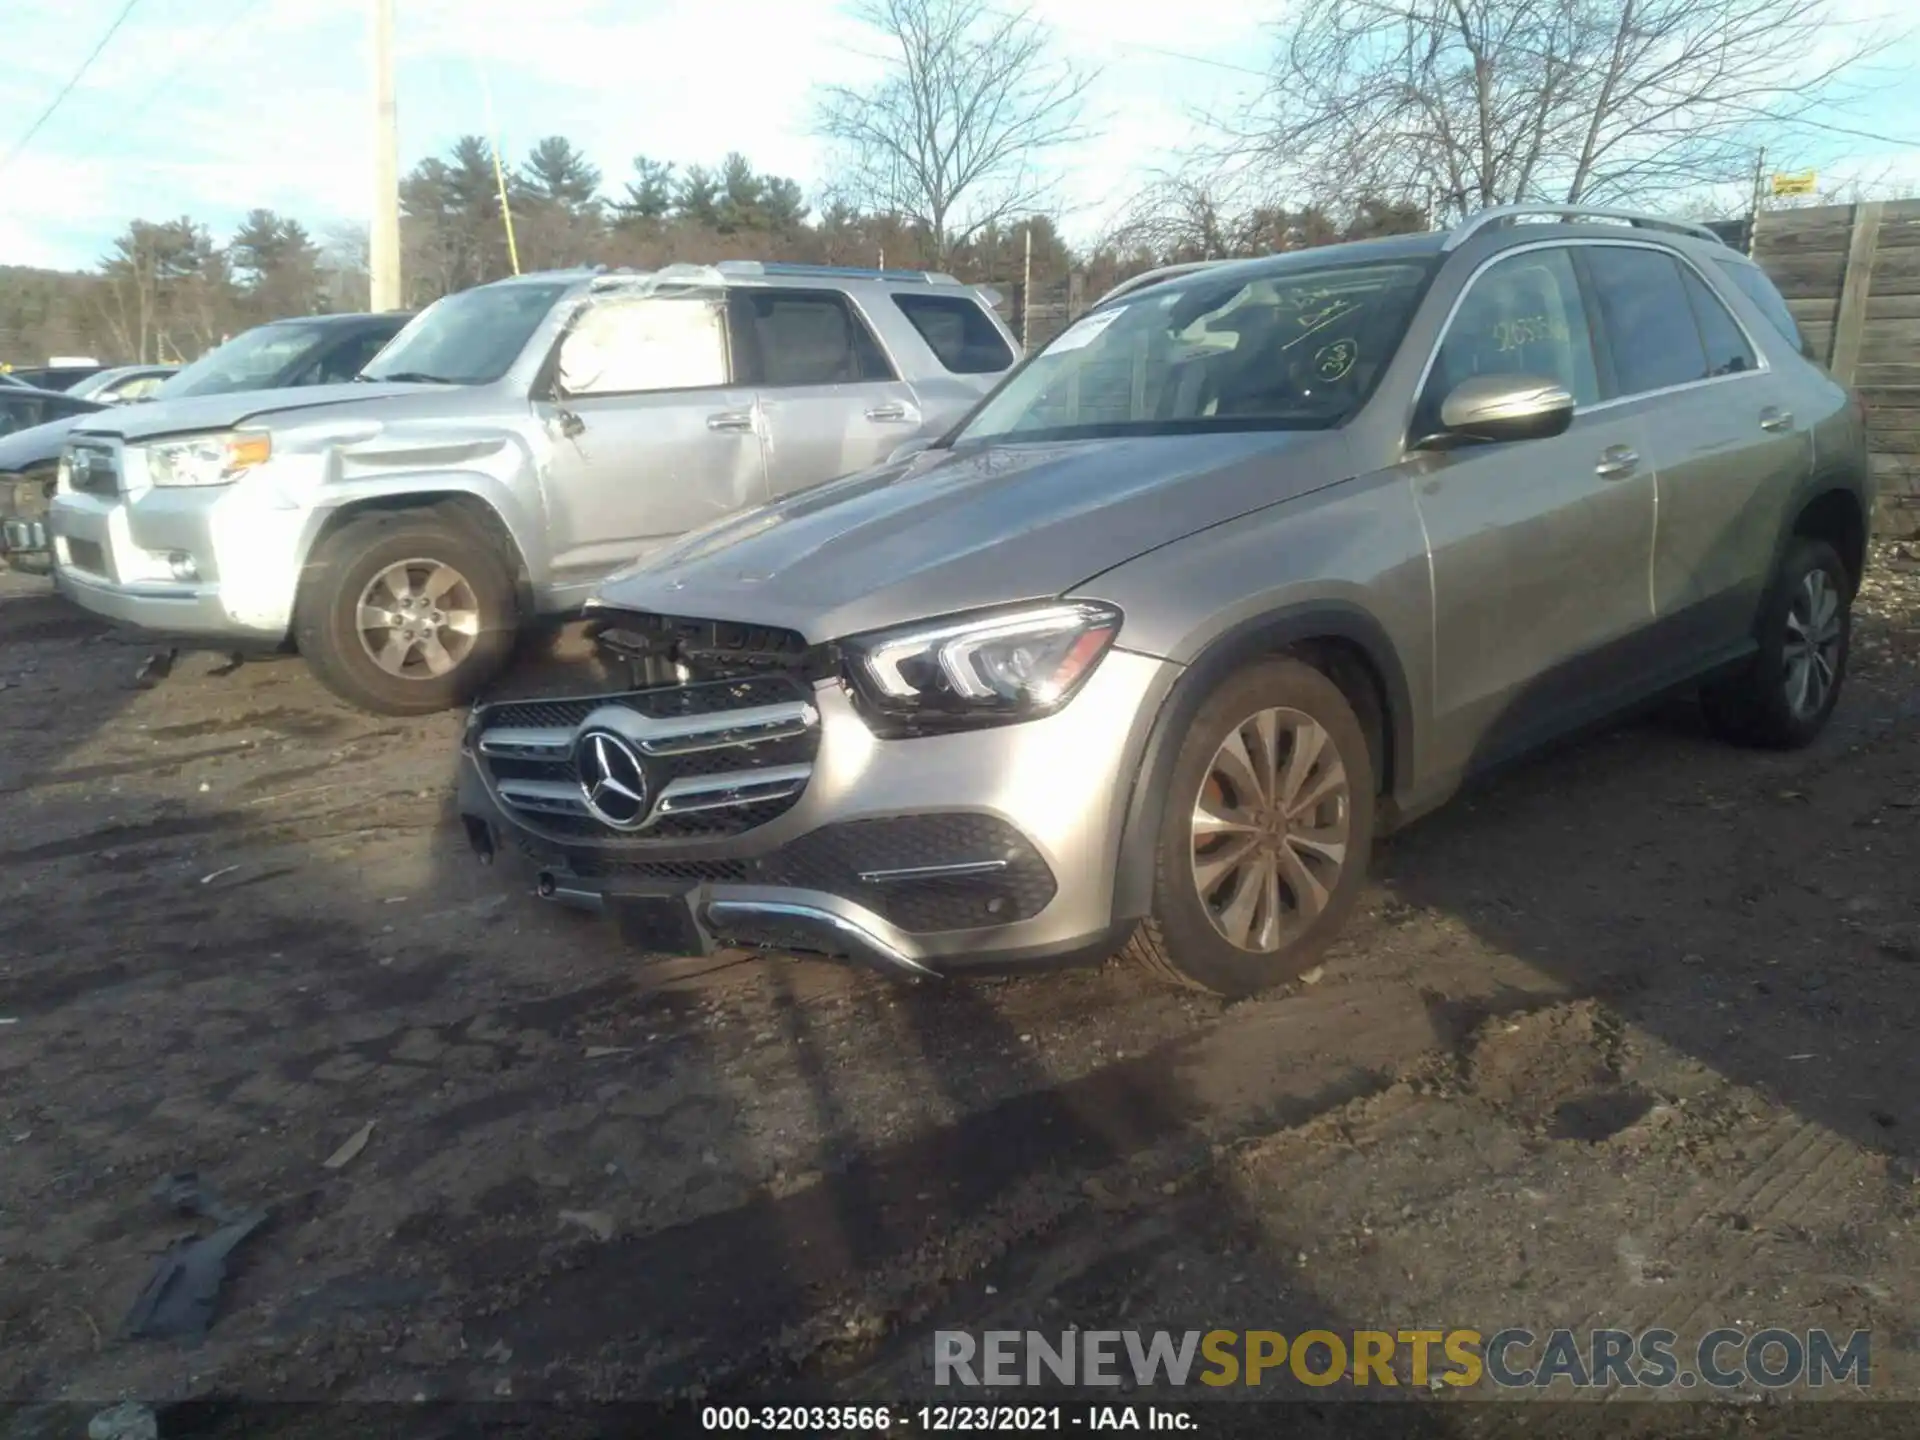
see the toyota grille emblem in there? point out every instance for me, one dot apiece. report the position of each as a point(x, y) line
point(612, 780)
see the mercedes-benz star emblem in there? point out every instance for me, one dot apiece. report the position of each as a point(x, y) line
point(612, 779)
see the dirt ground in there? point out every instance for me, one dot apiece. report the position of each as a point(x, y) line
point(1624, 1038)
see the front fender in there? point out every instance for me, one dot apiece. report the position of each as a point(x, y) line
point(498, 471)
point(1229, 650)
point(1346, 564)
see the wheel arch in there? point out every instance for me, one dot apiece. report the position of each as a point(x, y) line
point(1339, 639)
point(1833, 514)
point(464, 509)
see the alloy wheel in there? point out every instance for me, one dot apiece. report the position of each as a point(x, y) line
point(418, 619)
point(1811, 656)
point(1270, 829)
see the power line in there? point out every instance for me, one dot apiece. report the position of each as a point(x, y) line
point(1147, 49)
point(67, 89)
point(193, 50)
point(1140, 45)
point(1822, 126)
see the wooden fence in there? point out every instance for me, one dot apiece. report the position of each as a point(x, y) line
point(1851, 276)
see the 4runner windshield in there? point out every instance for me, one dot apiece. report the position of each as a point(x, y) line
point(1297, 350)
point(471, 338)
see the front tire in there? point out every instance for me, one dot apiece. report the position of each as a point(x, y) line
point(1785, 695)
point(406, 614)
point(1266, 832)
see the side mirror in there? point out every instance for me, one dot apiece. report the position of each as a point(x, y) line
point(1504, 407)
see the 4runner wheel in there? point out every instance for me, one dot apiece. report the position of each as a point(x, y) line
point(1266, 833)
point(1782, 699)
point(406, 614)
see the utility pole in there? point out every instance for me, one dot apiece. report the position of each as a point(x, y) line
point(1753, 207)
point(1026, 286)
point(383, 253)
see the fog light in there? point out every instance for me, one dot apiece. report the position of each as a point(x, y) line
point(182, 566)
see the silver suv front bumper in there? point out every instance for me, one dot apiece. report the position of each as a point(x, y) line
point(994, 846)
point(219, 563)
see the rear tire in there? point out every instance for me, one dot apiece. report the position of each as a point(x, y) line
point(1785, 695)
point(1266, 831)
point(406, 614)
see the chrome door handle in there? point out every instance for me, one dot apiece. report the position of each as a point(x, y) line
point(887, 413)
point(1616, 462)
point(1772, 419)
point(730, 420)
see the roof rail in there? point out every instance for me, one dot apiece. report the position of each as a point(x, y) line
point(833, 272)
point(1154, 277)
point(1570, 214)
point(655, 279)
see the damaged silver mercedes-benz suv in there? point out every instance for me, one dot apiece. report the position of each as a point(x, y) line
point(1252, 559)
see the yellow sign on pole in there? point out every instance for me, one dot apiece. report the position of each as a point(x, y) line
point(1801, 184)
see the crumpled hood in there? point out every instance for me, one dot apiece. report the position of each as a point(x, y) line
point(948, 531)
point(38, 445)
point(221, 412)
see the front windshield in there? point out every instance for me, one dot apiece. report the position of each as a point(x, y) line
point(252, 360)
point(471, 338)
point(1298, 350)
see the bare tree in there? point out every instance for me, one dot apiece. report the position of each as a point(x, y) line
point(1207, 217)
point(1459, 104)
point(344, 267)
point(956, 136)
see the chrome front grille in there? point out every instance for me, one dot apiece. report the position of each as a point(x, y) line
point(92, 468)
point(680, 762)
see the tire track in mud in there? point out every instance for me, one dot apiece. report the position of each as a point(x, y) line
point(1793, 1174)
point(769, 1287)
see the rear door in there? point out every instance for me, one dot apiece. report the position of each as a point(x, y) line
point(969, 348)
point(1721, 435)
point(649, 435)
point(830, 400)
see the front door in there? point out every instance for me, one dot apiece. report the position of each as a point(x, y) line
point(1540, 548)
point(830, 400)
point(647, 434)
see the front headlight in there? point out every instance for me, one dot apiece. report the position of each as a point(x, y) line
point(207, 459)
point(987, 669)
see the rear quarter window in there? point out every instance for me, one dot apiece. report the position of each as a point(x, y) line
point(1755, 285)
point(958, 331)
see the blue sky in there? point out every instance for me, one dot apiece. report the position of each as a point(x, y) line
point(209, 107)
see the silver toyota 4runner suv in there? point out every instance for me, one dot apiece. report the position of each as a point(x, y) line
point(508, 449)
point(1250, 562)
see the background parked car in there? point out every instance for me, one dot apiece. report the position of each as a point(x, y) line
point(60, 375)
point(308, 350)
point(123, 383)
point(22, 407)
point(26, 412)
point(523, 440)
point(312, 350)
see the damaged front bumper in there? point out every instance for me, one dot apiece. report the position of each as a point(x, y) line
point(993, 848)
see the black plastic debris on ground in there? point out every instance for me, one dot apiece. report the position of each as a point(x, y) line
point(178, 1300)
